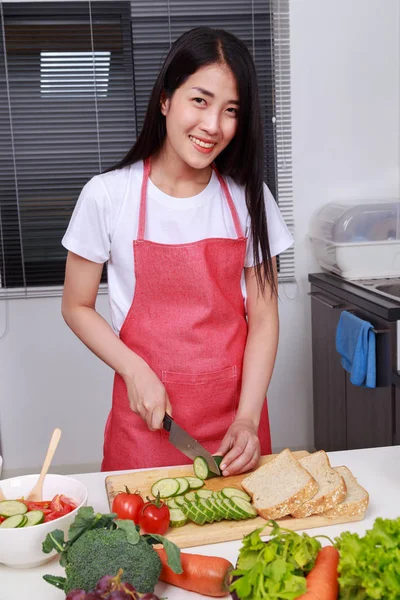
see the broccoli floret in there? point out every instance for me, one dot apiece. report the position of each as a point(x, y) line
point(99, 552)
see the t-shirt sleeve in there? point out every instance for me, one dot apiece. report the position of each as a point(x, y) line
point(89, 230)
point(280, 238)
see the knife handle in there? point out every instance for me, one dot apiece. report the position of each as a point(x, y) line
point(167, 421)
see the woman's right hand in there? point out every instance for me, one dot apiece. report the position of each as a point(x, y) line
point(148, 397)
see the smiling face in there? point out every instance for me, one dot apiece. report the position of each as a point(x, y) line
point(201, 116)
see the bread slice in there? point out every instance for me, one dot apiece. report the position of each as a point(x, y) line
point(332, 488)
point(356, 502)
point(280, 486)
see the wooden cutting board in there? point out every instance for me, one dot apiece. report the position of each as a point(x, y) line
point(210, 533)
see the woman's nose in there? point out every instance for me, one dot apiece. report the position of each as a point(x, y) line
point(210, 123)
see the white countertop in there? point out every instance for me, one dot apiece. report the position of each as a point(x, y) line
point(377, 469)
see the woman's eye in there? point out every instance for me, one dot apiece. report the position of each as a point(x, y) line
point(233, 111)
point(199, 101)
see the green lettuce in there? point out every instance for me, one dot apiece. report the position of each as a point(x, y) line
point(369, 566)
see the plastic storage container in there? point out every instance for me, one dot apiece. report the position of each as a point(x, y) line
point(358, 241)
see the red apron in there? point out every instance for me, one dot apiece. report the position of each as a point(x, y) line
point(188, 322)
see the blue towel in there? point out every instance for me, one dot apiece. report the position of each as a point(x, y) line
point(355, 342)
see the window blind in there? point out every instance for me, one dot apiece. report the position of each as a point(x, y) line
point(75, 78)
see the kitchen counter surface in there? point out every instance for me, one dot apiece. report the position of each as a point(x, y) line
point(377, 469)
point(382, 306)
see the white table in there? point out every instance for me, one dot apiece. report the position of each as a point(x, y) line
point(377, 469)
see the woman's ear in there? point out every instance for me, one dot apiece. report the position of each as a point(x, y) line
point(164, 103)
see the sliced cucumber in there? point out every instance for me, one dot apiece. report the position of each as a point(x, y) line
point(177, 518)
point(203, 512)
point(171, 503)
point(231, 512)
point(190, 497)
point(224, 510)
point(204, 493)
point(213, 502)
point(201, 469)
point(207, 509)
point(33, 517)
point(14, 522)
point(245, 507)
point(193, 514)
point(195, 483)
point(183, 485)
point(166, 487)
point(9, 508)
point(179, 500)
point(228, 492)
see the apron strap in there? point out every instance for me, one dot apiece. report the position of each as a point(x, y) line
point(231, 204)
point(143, 196)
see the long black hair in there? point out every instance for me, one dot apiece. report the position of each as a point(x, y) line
point(243, 158)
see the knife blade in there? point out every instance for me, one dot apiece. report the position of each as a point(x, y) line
point(186, 444)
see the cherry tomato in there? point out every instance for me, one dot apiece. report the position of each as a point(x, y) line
point(128, 506)
point(51, 516)
point(154, 517)
point(67, 502)
point(56, 505)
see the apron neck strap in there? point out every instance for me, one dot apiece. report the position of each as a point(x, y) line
point(143, 197)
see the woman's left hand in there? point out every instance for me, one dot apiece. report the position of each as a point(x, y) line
point(240, 448)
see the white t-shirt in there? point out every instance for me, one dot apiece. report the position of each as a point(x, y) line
point(105, 223)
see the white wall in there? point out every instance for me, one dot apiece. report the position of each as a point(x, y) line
point(345, 106)
point(345, 115)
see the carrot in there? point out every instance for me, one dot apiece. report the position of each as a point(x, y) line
point(208, 575)
point(322, 580)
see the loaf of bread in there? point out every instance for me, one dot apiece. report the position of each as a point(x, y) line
point(357, 499)
point(280, 486)
point(331, 486)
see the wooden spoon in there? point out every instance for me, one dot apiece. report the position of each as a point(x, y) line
point(2, 497)
point(37, 490)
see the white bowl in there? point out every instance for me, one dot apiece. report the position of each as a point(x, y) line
point(21, 548)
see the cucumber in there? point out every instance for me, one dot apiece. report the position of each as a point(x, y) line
point(193, 514)
point(177, 518)
point(190, 497)
point(194, 483)
point(225, 511)
point(207, 509)
point(172, 503)
point(33, 517)
point(220, 514)
point(231, 512)
point(183, 485)
point(208, 515)
point(166, 487)
point(245, 507)
point(204, 494)
point(14, 522)
point(228, 492)
point(201, 469)
point(179, 500)
point(9, 508)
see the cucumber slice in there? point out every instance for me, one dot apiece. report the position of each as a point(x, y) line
point(33, 517)
point(203, 512)
point(208, 510)
point(193, 514)
point(190, 497)
point(179, 500)
point(177, 518)
point(245, 507)
point(204, 494)
point(183, 485)
point(166, 487)
point(225, 511)
point(201, 470)
point(232, 513)
point(14, 522)
point(9, 508)
point(194, 483)
point(171, 503)
point(228, 492)
point(212, 502)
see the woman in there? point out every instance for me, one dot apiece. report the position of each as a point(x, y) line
point(182, 222)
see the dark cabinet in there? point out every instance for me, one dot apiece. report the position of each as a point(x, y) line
point(348, 416)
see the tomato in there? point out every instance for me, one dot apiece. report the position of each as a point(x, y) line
point(51, 516)
point(154, 517)
point(67, 502)
point(56, 505)
point(128, 506)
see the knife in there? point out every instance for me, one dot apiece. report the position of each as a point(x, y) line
point(187, 444)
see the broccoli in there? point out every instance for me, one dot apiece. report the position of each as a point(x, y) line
point(99, 552)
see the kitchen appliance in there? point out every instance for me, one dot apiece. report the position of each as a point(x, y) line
point(359, 240)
